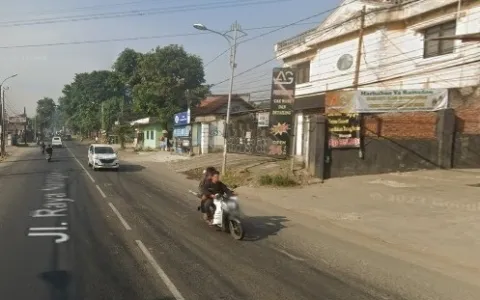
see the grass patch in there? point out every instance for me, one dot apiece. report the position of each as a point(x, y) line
point(22, 145)
point(194, 174)
point(231, 178)
point(277, 180)
point(235, 178)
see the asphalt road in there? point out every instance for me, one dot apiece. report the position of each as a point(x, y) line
point(118, 236)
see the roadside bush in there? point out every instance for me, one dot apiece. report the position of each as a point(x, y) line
point(277, 180)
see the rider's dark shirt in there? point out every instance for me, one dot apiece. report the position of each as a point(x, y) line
point(211, 188)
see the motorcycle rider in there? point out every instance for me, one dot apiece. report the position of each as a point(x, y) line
point(210, 189)
point(49, 150)
point(207, 175)
point(42, 144)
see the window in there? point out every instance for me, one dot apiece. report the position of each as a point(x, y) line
point(104, 150)
point(302, 72)
point(440, 47)
point(151, 135)
point(148, 135)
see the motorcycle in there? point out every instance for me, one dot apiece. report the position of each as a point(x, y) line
point(49, 157)
point(226, 212)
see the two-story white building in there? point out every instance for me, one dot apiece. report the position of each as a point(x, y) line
point(398, 51)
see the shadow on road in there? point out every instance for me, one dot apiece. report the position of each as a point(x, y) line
point(59, 281)
point(46, 171)
point(131, 168)
point(261, 227)
point(57, 158)
point(21, 160)
point(125, 168)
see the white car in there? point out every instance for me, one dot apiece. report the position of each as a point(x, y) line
point(57, 142)
point(102, 157)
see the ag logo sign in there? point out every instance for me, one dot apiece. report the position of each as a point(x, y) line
point(284, 76)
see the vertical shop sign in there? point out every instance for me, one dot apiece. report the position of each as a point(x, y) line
point(281, 113)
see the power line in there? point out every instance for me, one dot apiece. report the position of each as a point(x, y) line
point(402, 75)
point(93, 7)
point(392, 64)
point(283, 27)
point(151, 37)
point(136, 13)
point(316, 34)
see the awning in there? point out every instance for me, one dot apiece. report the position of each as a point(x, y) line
point(316, 101)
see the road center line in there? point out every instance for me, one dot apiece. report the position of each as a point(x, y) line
point(86, 171)
point(119, 216)
point(173, 289)
point(101, 192)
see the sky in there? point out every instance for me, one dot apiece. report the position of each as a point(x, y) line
point(31, 30)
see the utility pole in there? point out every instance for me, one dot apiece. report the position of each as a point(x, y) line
point(25, 127)
point(233, 56)
point(359, 49)
point(3, 111)
point(236, 29)
point(2, 91)
point(358, 60)
point(103, 116)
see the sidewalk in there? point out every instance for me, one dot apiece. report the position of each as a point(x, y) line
point(14, 151)
point(430, 212)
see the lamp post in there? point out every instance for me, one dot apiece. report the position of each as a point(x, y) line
point(3, 112)
point(236, 31)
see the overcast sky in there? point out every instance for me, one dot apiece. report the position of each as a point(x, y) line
point(44, 70)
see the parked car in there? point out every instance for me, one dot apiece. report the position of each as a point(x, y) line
point(57, 142)
point(101, 156)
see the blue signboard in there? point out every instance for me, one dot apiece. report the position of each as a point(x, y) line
point(181, 119)
point(183, 131)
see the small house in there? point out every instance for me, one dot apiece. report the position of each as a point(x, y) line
point(208, 121)
point(148, 132)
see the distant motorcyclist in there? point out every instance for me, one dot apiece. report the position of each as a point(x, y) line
point(49, 150)
point(207, 176)
point(42, 144)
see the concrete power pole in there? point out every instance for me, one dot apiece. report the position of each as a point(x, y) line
point(359, 49)
point(2, 91)
point(25, 127)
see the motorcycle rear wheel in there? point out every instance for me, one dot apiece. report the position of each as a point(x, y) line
point(236, 229)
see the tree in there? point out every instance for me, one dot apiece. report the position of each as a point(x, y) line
point(45, 112)
point(169, 76)
point(81, 103)
point(127, 66)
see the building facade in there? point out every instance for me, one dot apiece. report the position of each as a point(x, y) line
point(399, 51)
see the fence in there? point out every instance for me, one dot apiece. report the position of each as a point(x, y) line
point(246, 137)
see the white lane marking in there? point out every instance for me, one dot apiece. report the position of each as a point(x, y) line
point(86, 171)
point(173, 289)
point(101, 192)
point(119, 216)
point(47, 228)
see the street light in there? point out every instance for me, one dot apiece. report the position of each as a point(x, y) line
point(3, 112)
point(236, 29)
point(200, 26)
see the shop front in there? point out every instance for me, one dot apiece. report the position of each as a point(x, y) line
point(182, 132)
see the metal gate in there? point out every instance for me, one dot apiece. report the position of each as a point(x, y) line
point(246, 137)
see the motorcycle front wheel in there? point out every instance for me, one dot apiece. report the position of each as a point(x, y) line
point(236, 229)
